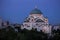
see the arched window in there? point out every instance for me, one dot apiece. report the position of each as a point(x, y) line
point(39, 20)
point(28, 26)
point(25, 24)
point(37, 24)
point(32, 19)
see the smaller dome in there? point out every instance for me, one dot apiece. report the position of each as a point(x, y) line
point(36, 11)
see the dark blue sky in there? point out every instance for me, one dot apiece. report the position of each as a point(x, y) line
point(17, 10)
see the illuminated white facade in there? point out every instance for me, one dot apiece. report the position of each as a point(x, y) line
point(36, 20)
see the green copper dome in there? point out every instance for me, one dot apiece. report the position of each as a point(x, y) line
point(36, 11)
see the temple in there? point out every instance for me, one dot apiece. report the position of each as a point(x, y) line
point(37, 21)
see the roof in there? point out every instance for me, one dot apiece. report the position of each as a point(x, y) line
point(27, 20)
point(36, 11)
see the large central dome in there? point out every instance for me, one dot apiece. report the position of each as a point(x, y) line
point(36, 11)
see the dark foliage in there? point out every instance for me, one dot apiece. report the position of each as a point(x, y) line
point(10, 34)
